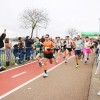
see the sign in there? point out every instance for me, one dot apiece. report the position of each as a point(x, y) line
point(84, 34)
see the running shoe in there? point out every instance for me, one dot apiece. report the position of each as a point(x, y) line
point(81, 60)
point(85, 62)
point(2, 68)
point(99, 93)
point(77, 66)
point(54, 56)
point(66, 61)
point(17, 58)
point(40, 64)
point(87, 58)
point(16, 64)
point(45, 74)
point(56, 61)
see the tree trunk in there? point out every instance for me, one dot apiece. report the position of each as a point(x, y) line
point(32, 32)
point(33, 27)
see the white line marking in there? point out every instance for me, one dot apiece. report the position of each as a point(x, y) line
point(30, 81)
point(18, 74)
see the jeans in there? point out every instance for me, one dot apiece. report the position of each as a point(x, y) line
point(21, 57)
point(28, 53)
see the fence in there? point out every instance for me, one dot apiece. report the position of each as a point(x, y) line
point(15, 55)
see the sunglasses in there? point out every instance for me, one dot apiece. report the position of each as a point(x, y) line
point(46, 37)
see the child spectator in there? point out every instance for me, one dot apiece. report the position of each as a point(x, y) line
point(21, 53)
point(8, 51)
point(16, 53)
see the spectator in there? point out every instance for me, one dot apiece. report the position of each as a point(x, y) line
point(16, 53)
point(2, 37)
point(21, 50)
point(21, 53)
point(98, 62)
point(8, 51)
point(28, 44)
point(42, 39)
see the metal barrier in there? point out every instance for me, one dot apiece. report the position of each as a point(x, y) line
point(15, 55)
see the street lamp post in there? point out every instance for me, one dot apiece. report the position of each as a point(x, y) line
point(99, 29)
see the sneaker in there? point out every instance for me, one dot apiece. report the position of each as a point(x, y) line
point(45, 75)
point(85, 62)
point(99, 93)
point(87, 58)
point(66, 61)
point(40, 64)
point(17, 58)
point(77, 66)
point(2, 67)
point(54, 56)
point(81, 60)
point(56, 61)
point(16, 64)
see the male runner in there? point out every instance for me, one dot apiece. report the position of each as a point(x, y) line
point(37, 48)
point(68, 47)
point(48, 53)
point(57, 48)
point(78, 48)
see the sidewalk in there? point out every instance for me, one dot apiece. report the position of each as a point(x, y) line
point(95, 85)
point(64, 83)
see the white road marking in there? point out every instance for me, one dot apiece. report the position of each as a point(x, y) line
point(2, 96)
point(18, 74)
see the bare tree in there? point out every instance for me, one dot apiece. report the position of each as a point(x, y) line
point(72, 31)
point(33, 18)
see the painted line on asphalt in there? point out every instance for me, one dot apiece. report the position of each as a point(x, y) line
point(18, 74)
point(8, 93)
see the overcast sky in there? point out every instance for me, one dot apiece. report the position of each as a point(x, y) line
point(81, 14)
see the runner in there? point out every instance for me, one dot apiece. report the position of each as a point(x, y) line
point(63, 47)
point(82, 43)
point(48, 54)
point(78, 48)
point(57, 48)
point(36, 46)
point(86, 49)
point(67, 48)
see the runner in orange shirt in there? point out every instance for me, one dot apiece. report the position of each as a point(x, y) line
point(48, 53)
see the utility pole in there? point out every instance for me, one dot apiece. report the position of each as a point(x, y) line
point(99, 29)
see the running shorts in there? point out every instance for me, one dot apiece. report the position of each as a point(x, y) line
point(48, 56)
point(78, 52)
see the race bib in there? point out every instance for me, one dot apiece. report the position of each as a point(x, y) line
point(77, 45)
point(37, 49)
